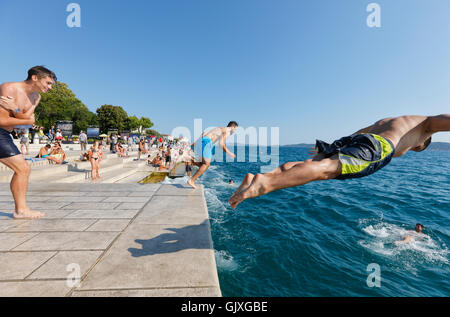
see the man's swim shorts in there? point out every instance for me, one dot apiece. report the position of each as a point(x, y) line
point(207, 148)
point(7, 146)
point(360, 154)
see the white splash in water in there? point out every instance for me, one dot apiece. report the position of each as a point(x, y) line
point(387, 240)
point(225, 261)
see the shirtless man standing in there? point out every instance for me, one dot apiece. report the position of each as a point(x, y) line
point(361, 154)
point(208, 139)
point(18, 100)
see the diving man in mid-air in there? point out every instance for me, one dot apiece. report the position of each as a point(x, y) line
point(361, 154)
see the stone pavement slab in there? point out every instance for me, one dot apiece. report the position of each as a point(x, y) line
point(130, 205)
point(34, 289)
point(35, 205)
point(75, 199)
point(156, 257)
point(9, 241)
point(109, 225)
point(68, 241)
point(57, 266)
point(127, 239)
point(8, 224)
point(171, 292)
point(179, 189)
point(101, 214)
point(18, 265)
point(174, 210)
point(121, 199)
point(41, 225)
point(140, 194)
point(102, 206)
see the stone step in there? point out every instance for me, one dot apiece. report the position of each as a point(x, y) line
point(112, 165)
point(134, 178)
point(85, 174)
point(115, 176)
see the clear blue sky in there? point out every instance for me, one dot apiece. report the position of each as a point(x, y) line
point(313, 68)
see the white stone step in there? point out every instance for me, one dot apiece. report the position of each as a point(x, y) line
point(115, 176)
point(134, 178)
point(84, 174)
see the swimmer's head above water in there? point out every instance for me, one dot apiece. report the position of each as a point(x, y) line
point(419, 227)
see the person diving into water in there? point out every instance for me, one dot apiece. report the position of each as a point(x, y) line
point(358, 155)
point(208, 139)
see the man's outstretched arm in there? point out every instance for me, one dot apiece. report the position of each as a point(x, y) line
point(439, 123)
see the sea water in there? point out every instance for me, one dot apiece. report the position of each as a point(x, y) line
point(320, 239)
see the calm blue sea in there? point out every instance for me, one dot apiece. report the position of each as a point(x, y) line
point(318, 239)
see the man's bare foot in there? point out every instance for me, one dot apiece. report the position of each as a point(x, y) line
point(27, 214)
point(245, 183)
point(257, 188)
point(189, 182)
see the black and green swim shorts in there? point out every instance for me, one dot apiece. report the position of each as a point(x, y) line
point(360, 154)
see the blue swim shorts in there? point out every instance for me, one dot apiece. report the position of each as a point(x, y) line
point(207, 148)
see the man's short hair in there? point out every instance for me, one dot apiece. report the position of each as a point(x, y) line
point(420, 225)
point(41, 72)
point(232, 124)
point(48, 146)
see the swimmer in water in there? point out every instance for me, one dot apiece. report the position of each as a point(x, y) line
point(418, 229)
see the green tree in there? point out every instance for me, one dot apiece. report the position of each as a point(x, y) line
point(153, 132)
point(60, 103)
point(145, 123)
point(132, 123)
point(111, 117)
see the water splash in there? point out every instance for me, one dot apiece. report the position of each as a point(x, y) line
point(225, 261)
point(387, 239)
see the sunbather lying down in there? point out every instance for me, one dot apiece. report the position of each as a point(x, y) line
point(358, 155)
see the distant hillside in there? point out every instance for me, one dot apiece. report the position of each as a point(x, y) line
point(300, 145)
point(439, 146)
point(434, 146)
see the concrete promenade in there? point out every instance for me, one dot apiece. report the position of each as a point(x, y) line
point(118, 239)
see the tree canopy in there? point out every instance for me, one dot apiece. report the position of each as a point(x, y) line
point(111, 117)
point(60, 103)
